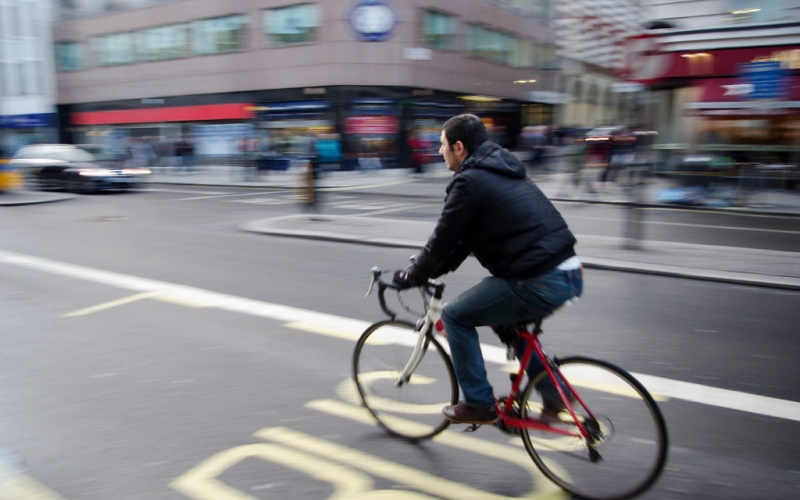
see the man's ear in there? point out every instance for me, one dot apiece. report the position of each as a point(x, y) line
point(459, 149)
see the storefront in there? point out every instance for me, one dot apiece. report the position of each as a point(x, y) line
point(732, 98)
point(20, 130)
point(372, 123)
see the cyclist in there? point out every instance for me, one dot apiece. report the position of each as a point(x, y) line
point(495, 212)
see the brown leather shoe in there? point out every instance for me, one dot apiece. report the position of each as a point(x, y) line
point(462, 413)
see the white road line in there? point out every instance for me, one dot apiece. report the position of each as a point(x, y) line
point(317, 322)
point(182, 191)
point(226, 195)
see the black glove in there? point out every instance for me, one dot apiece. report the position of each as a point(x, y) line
point(400, 280)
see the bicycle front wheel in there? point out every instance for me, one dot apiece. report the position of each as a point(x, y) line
point(629, 435)
point(408, 409)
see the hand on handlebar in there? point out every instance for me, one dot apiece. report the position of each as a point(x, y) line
point(400, 280)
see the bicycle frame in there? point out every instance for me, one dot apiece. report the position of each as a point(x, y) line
point(432, 317)
point(534, 347)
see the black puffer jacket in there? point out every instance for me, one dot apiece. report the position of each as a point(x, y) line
point(495, 212)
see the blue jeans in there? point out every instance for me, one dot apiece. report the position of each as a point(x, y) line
point(496, 301)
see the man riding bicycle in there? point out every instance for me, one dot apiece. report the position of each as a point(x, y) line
point(495, 212)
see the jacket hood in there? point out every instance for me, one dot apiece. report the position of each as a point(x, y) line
point(490, 156)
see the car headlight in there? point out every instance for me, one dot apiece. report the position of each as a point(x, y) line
point(95, 172)
point(135, 171)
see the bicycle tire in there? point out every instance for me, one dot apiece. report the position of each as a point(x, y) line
point(412, 411)
point(634, 441)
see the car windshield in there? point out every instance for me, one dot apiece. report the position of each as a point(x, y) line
point(67, 154)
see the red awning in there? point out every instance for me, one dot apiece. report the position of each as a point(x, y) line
point(234, 111)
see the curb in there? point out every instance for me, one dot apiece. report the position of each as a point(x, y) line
point(17, 198)
point(268, 227)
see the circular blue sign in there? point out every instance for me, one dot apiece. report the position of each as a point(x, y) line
point(373, 20)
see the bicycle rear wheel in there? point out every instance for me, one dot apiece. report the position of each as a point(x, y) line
point(412, 410)
point(629, 430)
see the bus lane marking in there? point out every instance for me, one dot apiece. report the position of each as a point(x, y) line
point(202, 483)
point(415, 478)
point(23, 487)
point(109, 304)
point(323, 322)
point(133, 298)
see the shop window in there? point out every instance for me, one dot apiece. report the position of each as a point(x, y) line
point(438, 30)
point(164, 42)
point(218, 35)
point(112, 50)
point(69, 56)
point(295, 24)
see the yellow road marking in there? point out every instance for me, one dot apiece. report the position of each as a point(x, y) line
point(23, 487)
point(543, 488)
point(618, 389)
point(321, 330)
point(419, 480)
point(109, 305)
point(171, 298)
point(201, 482)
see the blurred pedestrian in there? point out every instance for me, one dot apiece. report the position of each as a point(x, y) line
point(329, 149)
point(248, 147)
point(574, 156)
point(419, 148)
point(621, 154)
point(184, 150)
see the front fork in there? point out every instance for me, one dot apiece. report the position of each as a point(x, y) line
point(417, 354)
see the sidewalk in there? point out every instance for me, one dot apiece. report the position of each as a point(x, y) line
point(704, 262)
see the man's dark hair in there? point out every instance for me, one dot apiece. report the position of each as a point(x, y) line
point(468, 129)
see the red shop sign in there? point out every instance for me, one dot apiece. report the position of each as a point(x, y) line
point(370, 125)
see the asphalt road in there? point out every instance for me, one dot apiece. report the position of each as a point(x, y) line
point(153, 351)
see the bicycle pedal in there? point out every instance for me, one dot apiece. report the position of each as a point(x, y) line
point(471, 428)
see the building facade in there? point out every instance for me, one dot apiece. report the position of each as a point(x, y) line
point(373, 71)
point(729, 74)
point(27, 78)
point(591, 37)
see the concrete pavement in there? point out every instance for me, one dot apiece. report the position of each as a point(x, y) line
point(707, 262)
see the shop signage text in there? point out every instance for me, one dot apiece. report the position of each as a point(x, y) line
point(789, 59)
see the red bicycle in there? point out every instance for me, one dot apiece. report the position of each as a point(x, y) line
point(610, 443)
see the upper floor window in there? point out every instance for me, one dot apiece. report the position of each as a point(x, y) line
point(522, 53)
point(69, 56)
point(291, 25)
point(111, 50)
point(438, 30)
point(221, 34)
point(488, 44)
point(546, 58)
point(164, 42)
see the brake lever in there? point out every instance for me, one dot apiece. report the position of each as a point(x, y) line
point(376, 271)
